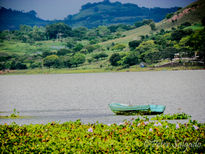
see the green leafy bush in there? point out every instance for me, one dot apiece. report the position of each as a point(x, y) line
point(100, 55)
point(51, 61)
point(171, 117)
point(119, 47)
point(114, 59)
point(138, 136)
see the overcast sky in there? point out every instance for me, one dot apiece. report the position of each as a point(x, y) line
point(59, 9)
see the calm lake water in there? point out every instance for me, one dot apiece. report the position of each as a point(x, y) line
point(65, 97)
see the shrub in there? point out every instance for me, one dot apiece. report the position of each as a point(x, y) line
point(51, 61)
point(114, 59)
point(134, 44)
point(63, 52)
point(119, 47)
point(147, 21)
point(137, 136)
point(139, 24)
point(15, 64)
point(77, 59)
point(203, 21)
point(153, 26)
point(178, 34)
point(78, 47)
point(169, 15)
point(131, 59)
point(100, 55)
point(90, 48)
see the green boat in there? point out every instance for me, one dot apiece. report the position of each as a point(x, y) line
point(118, 108)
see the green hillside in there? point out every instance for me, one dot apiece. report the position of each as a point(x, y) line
point(177, 41)
point(193, 16)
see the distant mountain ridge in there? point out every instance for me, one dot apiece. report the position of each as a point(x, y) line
point(91, 15)
point(12, 19)
point(106, 13)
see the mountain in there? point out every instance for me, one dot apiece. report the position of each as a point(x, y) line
point(91, 15)
point(193, 14)
point(12, 19)
point(106, 13)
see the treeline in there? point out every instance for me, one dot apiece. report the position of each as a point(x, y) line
point(150, 49)
point(30, 34)
point(73, 53)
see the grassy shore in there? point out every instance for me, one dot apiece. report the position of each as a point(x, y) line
point(98, 70)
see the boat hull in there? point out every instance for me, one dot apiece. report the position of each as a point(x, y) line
point(118, 108)
point(157, 109)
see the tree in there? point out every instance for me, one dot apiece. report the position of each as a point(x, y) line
point(146, 46)
point(4, 56)
point(67, 62)
point(147, 21)
point(139, 24)
point(153, 26)
point(203, 21)
point(54, 30)
point(46, 53)
point(169, 15)
point(119, 47)
point(2, 66)
point(168, 53)
point(16, 64)
point(80, 32)
point(147, 51)
point(63, 52)
point(90, 48)
point(38, 33)
point(100, 55)
point(70, 43)
point(25, 29)
point(197, 42)
point(102, 31)
point(134, 44)
point(150, 57)
point(21, 66)
point(179, 33)
point(78, 47)
point(186, 24)
point(131, 59)
point(51, 61)
point(77, 59)
point(114, 59)
point(32, 13)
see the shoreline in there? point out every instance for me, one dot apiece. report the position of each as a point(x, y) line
point(96, 70)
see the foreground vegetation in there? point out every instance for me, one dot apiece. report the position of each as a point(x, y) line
point(176, 116)
point(131, 136)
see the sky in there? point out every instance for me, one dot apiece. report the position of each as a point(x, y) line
point(59, 9)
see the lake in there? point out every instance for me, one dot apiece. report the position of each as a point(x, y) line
point(65, 97)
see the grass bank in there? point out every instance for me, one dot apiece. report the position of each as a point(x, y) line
point(98, 70)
